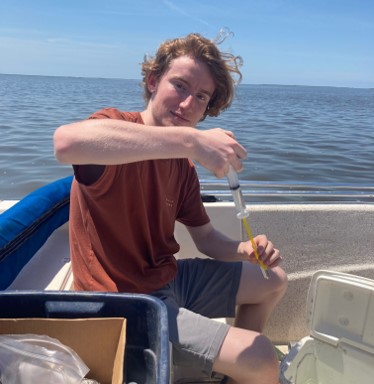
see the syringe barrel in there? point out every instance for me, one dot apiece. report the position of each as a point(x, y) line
point(232, 178)
point(237, 195)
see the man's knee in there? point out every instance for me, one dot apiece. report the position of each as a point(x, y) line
point(248, 357)
point(261, 365)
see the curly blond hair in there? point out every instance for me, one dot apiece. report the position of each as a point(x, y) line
point(224, 67)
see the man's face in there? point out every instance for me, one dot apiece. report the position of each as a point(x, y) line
point(181, 96)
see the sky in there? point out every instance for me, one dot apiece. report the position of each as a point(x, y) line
point(291, 42)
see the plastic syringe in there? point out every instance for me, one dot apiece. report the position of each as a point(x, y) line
point(242, 214)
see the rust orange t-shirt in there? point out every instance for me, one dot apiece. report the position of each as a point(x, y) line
point(122, 225)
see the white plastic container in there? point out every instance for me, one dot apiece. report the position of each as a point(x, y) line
point(340, 348)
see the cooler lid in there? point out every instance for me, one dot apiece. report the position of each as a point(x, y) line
point(340, 308)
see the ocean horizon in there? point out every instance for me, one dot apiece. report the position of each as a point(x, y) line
point(139, 80)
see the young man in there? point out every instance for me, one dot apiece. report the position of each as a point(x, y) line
point(134, 178)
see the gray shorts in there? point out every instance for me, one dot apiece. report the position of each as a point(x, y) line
point(203, 289)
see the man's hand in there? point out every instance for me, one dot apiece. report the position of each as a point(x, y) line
point(216, 149)
point(269, 255)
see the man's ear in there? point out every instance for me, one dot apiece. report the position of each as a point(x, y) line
point(152, 83)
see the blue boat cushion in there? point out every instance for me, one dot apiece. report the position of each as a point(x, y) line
point(26, 226)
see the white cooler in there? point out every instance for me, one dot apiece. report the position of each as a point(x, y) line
point(340, 348)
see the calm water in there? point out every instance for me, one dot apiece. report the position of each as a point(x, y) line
point(294, 135)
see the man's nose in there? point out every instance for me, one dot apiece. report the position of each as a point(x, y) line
point(187, 101)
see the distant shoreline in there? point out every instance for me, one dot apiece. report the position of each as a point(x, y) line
point(241, 84)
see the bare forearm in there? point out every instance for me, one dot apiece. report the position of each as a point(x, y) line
point(109, 141)
point(220, 247)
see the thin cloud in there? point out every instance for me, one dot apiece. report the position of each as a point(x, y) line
point(182, 12)
point(175, 8)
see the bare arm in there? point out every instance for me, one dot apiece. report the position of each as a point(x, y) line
point(215, 244)
point(109, 141)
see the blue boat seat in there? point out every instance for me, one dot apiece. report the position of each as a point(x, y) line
point(27, 225)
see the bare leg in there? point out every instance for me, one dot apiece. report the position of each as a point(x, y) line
point(257, 297)
point(246, 355)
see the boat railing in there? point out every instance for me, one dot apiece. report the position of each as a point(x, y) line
point(283, 192)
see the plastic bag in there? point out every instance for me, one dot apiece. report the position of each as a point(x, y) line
point(30, 358)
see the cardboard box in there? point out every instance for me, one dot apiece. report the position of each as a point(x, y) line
point(99, 342)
